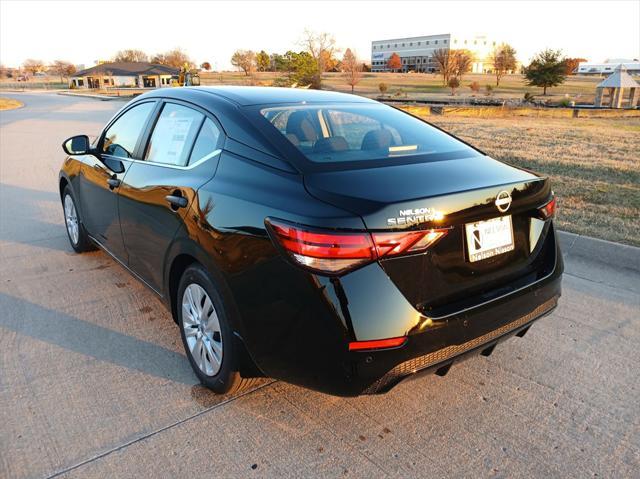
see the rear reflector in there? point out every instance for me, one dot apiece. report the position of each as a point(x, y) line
point(377, 344)
point(549, 210)
point(335, 252)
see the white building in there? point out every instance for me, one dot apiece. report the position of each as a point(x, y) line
point(125, 74)
point(608, 67)
point(416, 53)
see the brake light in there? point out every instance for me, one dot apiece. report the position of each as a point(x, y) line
point(549, 210)
point(377, 344)
point(335, 252)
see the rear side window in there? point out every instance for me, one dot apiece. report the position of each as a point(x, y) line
point(121, 137)
point(345, 133)
point(207, 142)
point(173, 135)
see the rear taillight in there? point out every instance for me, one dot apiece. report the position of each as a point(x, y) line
point(549, 210)
point(377, 344)
point(393, 244)
point(336, 252)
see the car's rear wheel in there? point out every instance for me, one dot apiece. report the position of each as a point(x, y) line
point(78, 237)
point(207, 336)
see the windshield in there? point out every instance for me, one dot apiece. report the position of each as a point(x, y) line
point(330, 133)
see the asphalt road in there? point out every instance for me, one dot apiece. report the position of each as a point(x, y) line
point(94, 383)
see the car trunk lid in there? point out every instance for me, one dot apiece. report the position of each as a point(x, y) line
point(442, 194)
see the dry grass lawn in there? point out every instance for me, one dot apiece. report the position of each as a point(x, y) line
point(594, 165)
point(9, 103)
point(423, 86)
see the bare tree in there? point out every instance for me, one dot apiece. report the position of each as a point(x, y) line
point(176, 58)
point(462, 62)
point(33, 66)
point(351, 69)
point(444, 60)
point(452, 63)
point(63, 69)
point(322, 48)
point(244, 60)
point(503, 59)
point(131, 55)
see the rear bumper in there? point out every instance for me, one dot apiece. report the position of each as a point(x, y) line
point(309, 346)
point(475, 330)
point(442, 359)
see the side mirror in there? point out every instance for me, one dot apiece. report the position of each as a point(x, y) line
point(77, 145)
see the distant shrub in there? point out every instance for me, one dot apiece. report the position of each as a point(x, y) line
point(475, 87)
point(565, 102)
point(400, 93)
point(282, 82)
point(383, 87)
point(453, 83)
point(488, 89)
point(529, 97)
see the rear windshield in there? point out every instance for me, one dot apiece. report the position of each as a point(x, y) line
point(331, 133)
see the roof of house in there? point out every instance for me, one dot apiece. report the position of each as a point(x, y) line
point(125, 69)
point(619, 79)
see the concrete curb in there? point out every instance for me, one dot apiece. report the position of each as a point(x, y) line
point(601, 251)
point(95, 97)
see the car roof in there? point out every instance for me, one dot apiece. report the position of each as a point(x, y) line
point(254, 95)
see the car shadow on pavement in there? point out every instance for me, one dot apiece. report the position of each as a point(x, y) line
point(60, 329)
point(26, 217)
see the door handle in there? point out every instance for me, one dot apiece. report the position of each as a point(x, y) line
point(176, 201)
point(113, 183)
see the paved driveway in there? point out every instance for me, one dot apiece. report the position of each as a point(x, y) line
point(94, 383)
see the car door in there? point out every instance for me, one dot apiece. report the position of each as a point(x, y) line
point(181, 154)
point(103, 172)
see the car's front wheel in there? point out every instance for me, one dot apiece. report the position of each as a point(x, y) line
point(78, 237)
point(206, 333)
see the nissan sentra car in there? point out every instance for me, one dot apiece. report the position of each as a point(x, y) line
point(319, 238)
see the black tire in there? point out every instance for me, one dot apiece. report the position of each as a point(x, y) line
point(227, 379)
point(83, 243)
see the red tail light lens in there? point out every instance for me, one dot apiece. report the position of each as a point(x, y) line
point(332, 252)
point(392, 244)
point(335, 252)
point(377, 344)
point(549, 210)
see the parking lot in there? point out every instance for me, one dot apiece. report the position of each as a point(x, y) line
point(94, 382)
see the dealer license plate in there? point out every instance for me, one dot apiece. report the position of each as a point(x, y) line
point(489, 238)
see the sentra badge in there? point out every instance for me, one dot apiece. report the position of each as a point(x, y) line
point(414, 216)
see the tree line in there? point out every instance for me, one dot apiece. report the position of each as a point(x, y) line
point(548, 68)
point(318, 54)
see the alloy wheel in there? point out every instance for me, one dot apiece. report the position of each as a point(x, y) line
point(202, 329)
point(71, 219)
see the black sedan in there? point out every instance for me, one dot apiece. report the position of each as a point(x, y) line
point(319, 238)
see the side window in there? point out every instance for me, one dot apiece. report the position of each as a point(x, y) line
point(173, 135)
point(207, 141)
point(121, 137)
